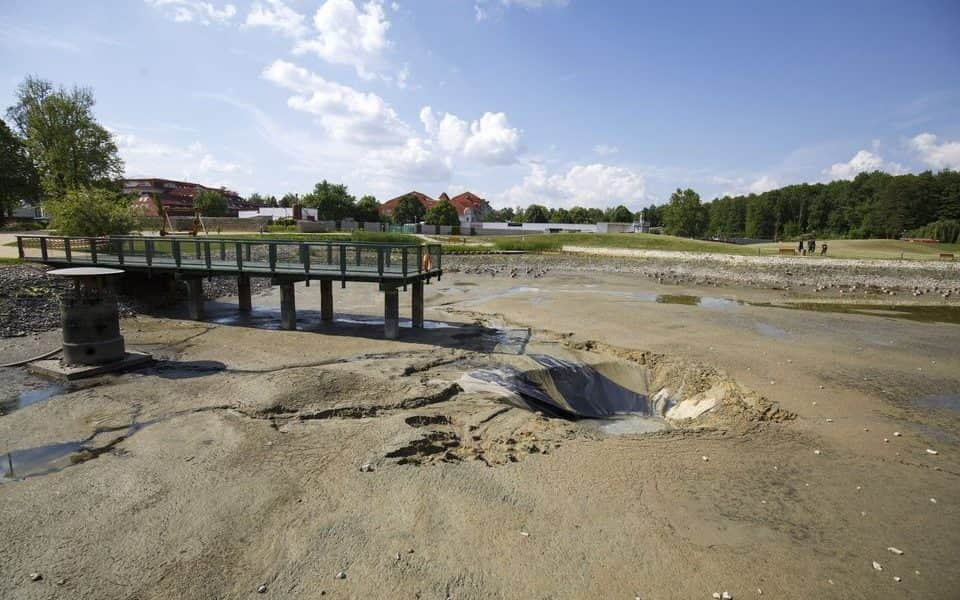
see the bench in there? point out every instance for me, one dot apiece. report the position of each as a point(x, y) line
point(946, 256)
point(788, 251)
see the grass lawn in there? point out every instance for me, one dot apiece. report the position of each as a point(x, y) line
point(641, 241)
point(874, 249)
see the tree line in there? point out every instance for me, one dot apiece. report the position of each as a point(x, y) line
point(872, 205)
point(537, 213)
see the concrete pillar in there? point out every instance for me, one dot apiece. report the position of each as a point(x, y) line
point(416, 301)
point(243, 291)
point(326, 300)
point(195, 298)
point(288, 307)
point(391, 313)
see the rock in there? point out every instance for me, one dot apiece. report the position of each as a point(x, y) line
point(341, 575)
point(35, 576)
point(716, 595)
point(524, 534)
point(817, 452)
point(726, 596)
point(896, 551)
point(705, 458)
point(933, 500)
point(829, 420)
point(877, 566)
point(897, 579)
point(262, 589)
point(932, 451)
point(366, 468)
point(897, 434)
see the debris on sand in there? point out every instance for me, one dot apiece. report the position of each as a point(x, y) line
point(341, 575)
point(262, 589)
point(932, 451)
point(896, 551)
point(877, 566)
point(35, 576)
point(366, 468)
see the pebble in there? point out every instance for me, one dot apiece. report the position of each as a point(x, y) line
point(524, 534)
point(897, 579)
point(366, 468)
point(817, 452)
point(933, 500)
point(896, 551)
point(897, 434)
point(262, 589)
point(35, 576)
point(932, 451)
point(877, 566)
point(705, 458)
point(341, 575)
point(829, 420)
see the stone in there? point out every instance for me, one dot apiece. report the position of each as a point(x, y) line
point(726, 596)
point(262, 589)
point(896, 551)
point(877, 566)
point(932, 451)
point(897, 579)
point(35, 576)
point(897, 434)
point(366, 468)
point(817, 452)
point(705, 458)
point(341, 575)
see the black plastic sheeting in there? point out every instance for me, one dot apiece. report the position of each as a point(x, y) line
point(581, 392)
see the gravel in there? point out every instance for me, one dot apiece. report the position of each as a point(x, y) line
point(30, 299)
point(841, 278)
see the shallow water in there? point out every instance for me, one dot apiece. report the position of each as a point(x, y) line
point(950, 402)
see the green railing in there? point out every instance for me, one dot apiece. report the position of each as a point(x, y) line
point(346, 260)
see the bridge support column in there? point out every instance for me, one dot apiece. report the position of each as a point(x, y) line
point(326, 300)
point(391, 313)
point(243, 292)
point(288, 307)
point(195, 298)
point(416, 300)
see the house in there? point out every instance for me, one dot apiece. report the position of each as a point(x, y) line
point(177, 196)
point(470, 207)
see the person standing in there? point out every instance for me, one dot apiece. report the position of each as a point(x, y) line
point(811, 246)
point(823, 249)
point(800, 247)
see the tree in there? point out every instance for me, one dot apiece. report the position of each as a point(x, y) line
point(408, 210)
point(578, 214)
point(18, 177)
point(684, 215)
point(289, 199)
point(211, 204)
point(332, 201)
point(257, 200)
point(560, 215)
point(442, 213)
point(68, 147)
point(90, 212)
point(367, 210)
point(620, 214)
point(536, 213)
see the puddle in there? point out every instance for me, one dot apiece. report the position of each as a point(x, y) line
point(950, 402)
point(771, 331)
point(21, 389)
point(572, 390)
point(918, 313)
point(28, 397)
point(514, 291)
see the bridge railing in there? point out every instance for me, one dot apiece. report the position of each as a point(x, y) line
point(381, 259)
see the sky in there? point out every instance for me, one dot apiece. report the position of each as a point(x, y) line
point(556, 102)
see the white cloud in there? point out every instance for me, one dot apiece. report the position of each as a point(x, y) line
point(862, 162)
point(489, 140)
point(277, 16)
point(147, 158)
point(484, 9)
point(764, 183)
point(347, 114)
point(188, 11)
point(944, 155)
point(348, 35)
point(594, 185)
point(415, 161)
point(605, 149)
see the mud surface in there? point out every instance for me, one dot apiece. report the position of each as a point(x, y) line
point(580, 434)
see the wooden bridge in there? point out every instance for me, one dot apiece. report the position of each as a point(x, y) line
point(393, 266)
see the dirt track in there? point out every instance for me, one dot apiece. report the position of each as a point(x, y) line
point(249, 468)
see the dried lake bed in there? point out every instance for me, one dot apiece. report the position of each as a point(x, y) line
point(738, 440)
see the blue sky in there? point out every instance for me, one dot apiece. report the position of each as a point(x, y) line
point(559, 102)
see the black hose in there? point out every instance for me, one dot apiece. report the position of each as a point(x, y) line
point(30, 360)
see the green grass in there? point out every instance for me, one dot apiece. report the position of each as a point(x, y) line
point(9, 261)
point(548, 242)
point(877, 249)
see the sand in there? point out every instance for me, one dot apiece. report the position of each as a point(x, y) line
point(281, 459)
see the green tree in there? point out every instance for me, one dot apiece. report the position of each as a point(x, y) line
point(442, 213)
point(620, 214)
point(408, 210)
point(560, 215)
point(578, 214)
point(211, 204)
point(368, 210)
point(18, 177)
point(536, 213)
point(289, 199)
point(332, 201)
point(257, 200)
point(68, 147)
point(684, 214)
point(90, 212)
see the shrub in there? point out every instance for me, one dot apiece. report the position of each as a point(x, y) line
point(91, 212)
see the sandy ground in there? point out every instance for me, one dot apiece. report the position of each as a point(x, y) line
point(247, 467)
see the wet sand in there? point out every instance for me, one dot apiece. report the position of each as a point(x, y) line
point(265, 457)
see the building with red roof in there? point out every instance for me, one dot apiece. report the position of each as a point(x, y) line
point(470, 207)
point(177, 196)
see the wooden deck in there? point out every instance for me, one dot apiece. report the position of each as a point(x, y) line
point(391, 265)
